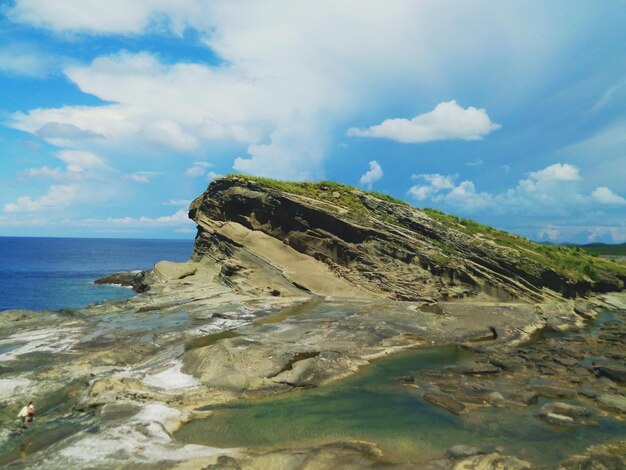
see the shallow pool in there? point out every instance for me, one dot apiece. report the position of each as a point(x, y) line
point(375, 406)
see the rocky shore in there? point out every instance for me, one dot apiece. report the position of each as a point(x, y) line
point(292, 291)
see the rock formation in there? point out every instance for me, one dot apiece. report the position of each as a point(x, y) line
point(293, 286)
point(336, 240)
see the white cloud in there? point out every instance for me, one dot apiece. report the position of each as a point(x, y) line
point(211, 175)
point(615, 234)
point(372, 175)
point(178, 202)
point(608, 96)
point(289, 73)
point(169, 134)
point(57, 196)
point(79, 165)
point(44, 172)
point(295, 152)
point(27, 60)
point(185, 230)
point(55, 131)
point(440, 188)
point(119, 16)
point(199, 169)
point(604, 195)
point(142, 176)
point(178, 218)
point(78, 160)
point(70, 125)
point(435, 183)
point(553, 192)
point(549, 232)
point(556, 172)
point(86, 181)
point(194, 171)
point(448, 121)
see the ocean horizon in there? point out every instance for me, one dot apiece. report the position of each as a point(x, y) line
point(51, 273)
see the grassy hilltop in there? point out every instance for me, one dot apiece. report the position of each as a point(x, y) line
point(570, 261)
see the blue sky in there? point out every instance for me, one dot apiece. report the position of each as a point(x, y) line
point(114, 115)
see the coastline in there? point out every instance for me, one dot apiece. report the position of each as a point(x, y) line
point(154, 370)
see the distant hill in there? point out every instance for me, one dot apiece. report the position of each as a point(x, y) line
point(605, 249)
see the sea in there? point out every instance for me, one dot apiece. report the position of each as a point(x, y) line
point(55, 273)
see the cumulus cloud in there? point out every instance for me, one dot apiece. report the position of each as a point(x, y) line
point(78, 165)
point(440, 188)
point(143, 177)
point(86, 179)
point(615, 234)
point(435, 183)
point(57, 196)
point(549, 232)
point(59, 132)
point(198, 169)
point(178, 218)
point(27, 60)
point(70, 125)
point(372, 175)
point(556, 172)
point(448, 121)
point(211, 175)
point(289, 72)
point(552, 191)
point(120, 16)
point(168, 134)
point(604, 195)
point(295, 152)
point(78, 160)
point(178, 202)
point(44, 172)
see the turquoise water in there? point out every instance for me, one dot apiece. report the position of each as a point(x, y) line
point(376, 407)
point(55, 273)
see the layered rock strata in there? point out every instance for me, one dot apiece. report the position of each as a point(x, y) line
point(352, 243)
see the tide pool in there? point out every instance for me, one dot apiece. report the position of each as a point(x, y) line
point(374, 406)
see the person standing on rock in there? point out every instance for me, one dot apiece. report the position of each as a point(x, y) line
point(27, 414)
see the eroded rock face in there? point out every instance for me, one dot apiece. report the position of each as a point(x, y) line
point(390, 250)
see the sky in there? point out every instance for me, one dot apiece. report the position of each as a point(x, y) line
point(115, 115)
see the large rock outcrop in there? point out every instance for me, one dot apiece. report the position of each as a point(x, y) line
point(336, 240)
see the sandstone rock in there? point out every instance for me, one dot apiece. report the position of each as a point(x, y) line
point(386, 248)
point(479, 369)
point(526, 398)
point(615, 373)
point(553, 391)
point(496, 398)
point(494, 461)
point(446, 402)
point(459, 451)
point(566, 409)
point(616, 402)
point(564, 413)
point(598, 457)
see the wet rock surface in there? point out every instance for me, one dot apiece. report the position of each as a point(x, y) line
point(127, 278)
point(559, 369)
point(189, 344)
point(600, 457)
